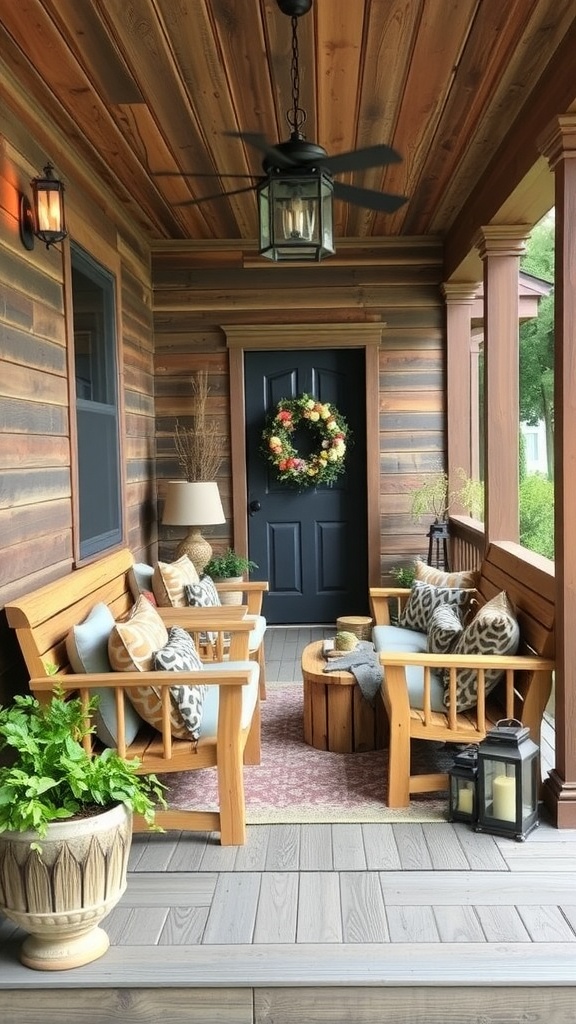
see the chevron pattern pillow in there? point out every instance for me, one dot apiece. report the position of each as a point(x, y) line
point(180, 655)
point(445, 626)
point(424, 598)
point(493, 630)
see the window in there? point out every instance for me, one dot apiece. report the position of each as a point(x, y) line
point(96, 372)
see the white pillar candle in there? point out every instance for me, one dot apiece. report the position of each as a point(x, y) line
point(465, 800)
point(504, 797)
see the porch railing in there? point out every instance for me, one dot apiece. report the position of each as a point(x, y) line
point(467, 543)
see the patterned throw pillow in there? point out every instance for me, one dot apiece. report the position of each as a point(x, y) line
point(169, 580)
point(445, 626)
point(493, 630)
point(438, 578)
point(180, 655)
point(132, 646)
point(203, 595)
point(425, 598)
point(133, 641)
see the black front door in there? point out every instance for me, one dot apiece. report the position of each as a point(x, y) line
point(312, 545)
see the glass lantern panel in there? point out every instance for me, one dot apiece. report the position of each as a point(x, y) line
point(499, 789)
point(529, 787)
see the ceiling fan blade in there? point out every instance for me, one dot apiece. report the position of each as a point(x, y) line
point(275, 155)
point(359, 159)
point(381, 201)
point(218, 195)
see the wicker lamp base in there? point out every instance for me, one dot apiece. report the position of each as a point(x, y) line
point(197, 548)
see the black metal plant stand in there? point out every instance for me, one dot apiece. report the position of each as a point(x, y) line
point(438, 545)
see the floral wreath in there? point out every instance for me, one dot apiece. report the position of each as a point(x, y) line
point(330, 428)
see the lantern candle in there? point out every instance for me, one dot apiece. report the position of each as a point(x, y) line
point(466, 800)
point(504, 797)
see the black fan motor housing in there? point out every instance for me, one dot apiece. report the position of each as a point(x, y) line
point(300, 155)
point(294, 8)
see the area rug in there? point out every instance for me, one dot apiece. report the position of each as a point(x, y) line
point(296, 784)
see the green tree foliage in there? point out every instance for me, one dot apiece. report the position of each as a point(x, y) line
point(537, 514)
point(537, 339)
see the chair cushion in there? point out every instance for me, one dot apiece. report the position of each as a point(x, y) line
point(424, 598)
point(87, 650)
point(256, 636)
point(445, 626)
point(408, 641)
point(134, 640)
point(180, 655)
point(140, 578)
point(438, 578)
point(209, 725)
point(169, 580)
point(493, 630)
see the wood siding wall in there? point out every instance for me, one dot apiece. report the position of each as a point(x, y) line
point(196, 292)
point(36, 443)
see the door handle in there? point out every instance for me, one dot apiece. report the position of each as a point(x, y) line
point(254, 507)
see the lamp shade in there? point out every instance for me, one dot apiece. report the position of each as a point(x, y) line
point(192, 504)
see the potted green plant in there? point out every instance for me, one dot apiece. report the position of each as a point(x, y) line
point(65, 828)
point(229, 567)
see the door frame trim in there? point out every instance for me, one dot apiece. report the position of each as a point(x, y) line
point(241, 338)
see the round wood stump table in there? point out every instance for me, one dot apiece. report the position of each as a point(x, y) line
point(336, 715)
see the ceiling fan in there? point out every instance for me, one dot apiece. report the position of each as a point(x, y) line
point(295, 196)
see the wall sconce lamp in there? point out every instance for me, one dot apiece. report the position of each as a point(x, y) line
point(46, 219)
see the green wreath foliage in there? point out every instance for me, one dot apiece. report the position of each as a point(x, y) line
point(330, 430)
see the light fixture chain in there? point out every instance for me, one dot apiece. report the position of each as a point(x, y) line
point(296, 117)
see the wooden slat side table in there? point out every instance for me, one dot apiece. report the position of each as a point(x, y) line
point(336, 715)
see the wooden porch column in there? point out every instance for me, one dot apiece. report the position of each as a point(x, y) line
point(500, 247)
point(559, 146)
point(459, 300)
point(476, 339)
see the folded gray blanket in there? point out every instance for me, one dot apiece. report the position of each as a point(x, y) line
point(364, 664)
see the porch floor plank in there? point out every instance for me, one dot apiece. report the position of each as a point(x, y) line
point(356, 924)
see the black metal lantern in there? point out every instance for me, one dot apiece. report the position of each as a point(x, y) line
point(48, 199)
point(462, 777)
point(295, 211)
point(295, 199)
point(508, 781)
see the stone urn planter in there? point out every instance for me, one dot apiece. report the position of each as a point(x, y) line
point(60, 887)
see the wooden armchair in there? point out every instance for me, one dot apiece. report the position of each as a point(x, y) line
point(42, 621)
point(522, 693)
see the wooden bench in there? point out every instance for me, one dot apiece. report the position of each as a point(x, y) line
point(522, 693)
point(42, 620)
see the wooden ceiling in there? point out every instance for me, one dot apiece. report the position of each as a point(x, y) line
point(144, 87)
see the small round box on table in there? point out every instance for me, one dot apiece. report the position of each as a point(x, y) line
point(360, 625)
point(336, 715)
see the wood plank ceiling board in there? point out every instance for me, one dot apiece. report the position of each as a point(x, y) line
point(149, 88)
point(388, 44)
point(504, 90)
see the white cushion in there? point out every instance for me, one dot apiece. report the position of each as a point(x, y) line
point(209, 725)
point(408, 641)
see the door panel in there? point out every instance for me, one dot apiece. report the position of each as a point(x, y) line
point(310, 546)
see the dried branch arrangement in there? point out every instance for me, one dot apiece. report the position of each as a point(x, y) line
point(198, 447)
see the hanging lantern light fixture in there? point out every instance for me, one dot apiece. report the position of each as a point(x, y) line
point(295, 198)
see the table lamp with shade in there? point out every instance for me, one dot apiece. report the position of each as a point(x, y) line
point(193, 504)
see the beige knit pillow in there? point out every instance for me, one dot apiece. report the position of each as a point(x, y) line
point(169, 580)
point(438, 578)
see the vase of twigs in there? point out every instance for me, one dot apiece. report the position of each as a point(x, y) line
point(198, 446)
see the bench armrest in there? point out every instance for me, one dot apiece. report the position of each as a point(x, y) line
point(380, 598)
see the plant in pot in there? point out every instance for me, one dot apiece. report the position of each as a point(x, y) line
point(65, 828)
point(433, 497)
point(229, 567)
